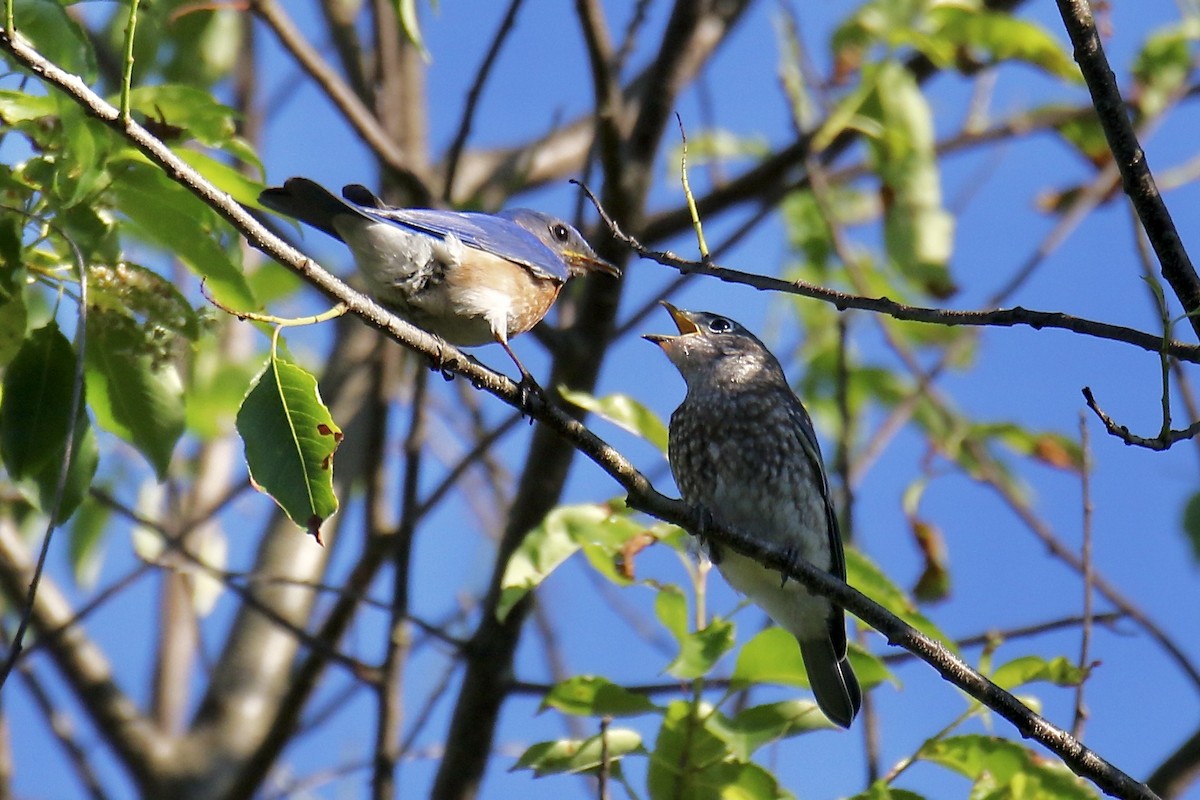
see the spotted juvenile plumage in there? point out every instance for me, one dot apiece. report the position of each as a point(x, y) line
point(471, 278)
point(743, 449)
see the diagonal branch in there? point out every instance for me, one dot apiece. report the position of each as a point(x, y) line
point(1130, 158)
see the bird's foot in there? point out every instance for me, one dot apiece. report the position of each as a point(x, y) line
point(706, 524)
point(531, 397)
point(438, 364)
point(793, 556)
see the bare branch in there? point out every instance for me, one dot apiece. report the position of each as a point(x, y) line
point(1161, 442)
point(1002, 318)
point(1131, 160)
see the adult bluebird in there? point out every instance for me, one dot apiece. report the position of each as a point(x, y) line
point(743, 451)
point(471, 278)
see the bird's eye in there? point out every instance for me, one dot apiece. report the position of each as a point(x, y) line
point(559, 231)
point(720, 325)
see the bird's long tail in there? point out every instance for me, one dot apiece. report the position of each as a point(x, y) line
point(833, 682)
point(309, 202)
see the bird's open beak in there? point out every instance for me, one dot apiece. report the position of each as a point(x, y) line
point(589, 262)
point(683, 321)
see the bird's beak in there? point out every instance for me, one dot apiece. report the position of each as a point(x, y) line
point(580, 263)
point(683, 321)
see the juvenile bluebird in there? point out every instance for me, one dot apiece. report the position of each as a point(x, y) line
point(743, 451)
point(471, 278)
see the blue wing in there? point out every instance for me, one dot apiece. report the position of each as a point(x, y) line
point(486, 232)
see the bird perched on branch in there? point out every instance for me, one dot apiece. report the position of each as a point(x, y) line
point(471, 278)
point(743, 452)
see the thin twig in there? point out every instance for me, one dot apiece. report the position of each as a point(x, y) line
point(1161, 442)
point(1004, 318)
point(1085, 555)
point(474, 93)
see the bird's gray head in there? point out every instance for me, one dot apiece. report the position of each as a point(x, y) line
point(563, 239)
point(710, 347)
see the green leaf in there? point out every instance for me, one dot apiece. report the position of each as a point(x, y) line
point(132, 394)
point(195, 113)
point(994, 37)
point(880, 790)
point(1052, 449)
point(563, 532)
point(166, 215)
point(14, 320)
point(216, 387)
point(771, 656)
point(870, 580)
point(756, 726)
point(918, 231)
point(684, 742)
point(624, 412)
point(86, 145)
point(591, 695)
point(406, 13)
point(35, 414)
point(718, 146)
point(85, 541)
point(579, 755)
point(205, 44)
point(1164, 64)
point(225, 177)
point(1028, 669)
point(671, 608)
point(290, 441)
point(1000, 764)
point(25, 107)
point(56, 35)
point(85, 456)
point(690, 760)
point(699, 651)
point(1191, 524)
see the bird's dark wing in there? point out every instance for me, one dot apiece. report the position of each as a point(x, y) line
point(837, 556)
point(486, 232)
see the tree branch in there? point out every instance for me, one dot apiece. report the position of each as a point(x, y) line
point(1161, 442)
point(1130, 158)
point(999, 318)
